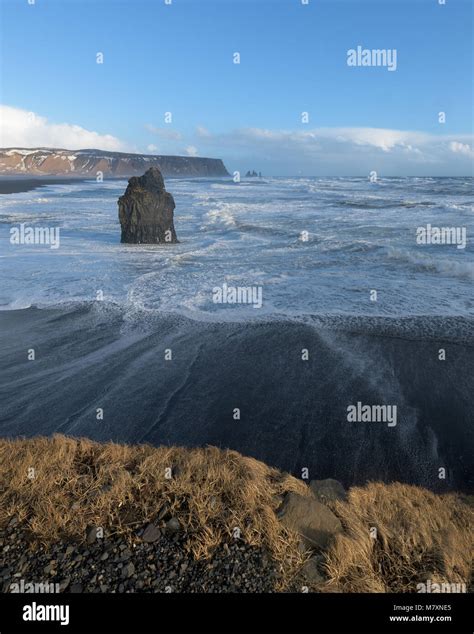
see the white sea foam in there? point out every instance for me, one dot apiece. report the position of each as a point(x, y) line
point(439, 264)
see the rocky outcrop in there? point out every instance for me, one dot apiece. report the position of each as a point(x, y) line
point(146, 210)
point(316, 523)
point(55, 162)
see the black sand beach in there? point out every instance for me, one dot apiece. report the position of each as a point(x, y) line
point(293, 413)
point(20, 184)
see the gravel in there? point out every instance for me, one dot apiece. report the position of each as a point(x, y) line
point(118, 564)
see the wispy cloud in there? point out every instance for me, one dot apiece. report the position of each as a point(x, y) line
point(21, 128)
point(317, 139)
point(202, 132)
point(343, 150)
point(164, 133)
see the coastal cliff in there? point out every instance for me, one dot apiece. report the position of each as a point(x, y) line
point(80, 163)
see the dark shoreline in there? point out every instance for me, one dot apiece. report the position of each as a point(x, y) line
point(20, 184)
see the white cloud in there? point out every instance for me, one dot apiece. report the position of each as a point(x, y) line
point(191, 150)
point(164, 133)
point(461, 148)
point(344, 151)
point(380, 138)
point(202, 132)
point(151, 147)
point(20, 128)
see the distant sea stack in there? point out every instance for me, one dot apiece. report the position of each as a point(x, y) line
point(146, 210)
point(81, 163)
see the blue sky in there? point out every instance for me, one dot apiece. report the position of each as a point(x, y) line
point(178, 58)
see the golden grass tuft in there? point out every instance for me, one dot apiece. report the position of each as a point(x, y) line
point(420, 536)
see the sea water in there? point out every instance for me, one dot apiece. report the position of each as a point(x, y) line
point(311, 245)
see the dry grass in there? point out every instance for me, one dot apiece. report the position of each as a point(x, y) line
point(78, 483)
point(420, 536)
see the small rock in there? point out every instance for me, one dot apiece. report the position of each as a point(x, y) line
point(151, 533)
point(76, 588)
point(91, 534)
point(50, 569)
point(328, 490)
point(173, 525)
point(64, 584)
point(311, 572)
point(128, 570)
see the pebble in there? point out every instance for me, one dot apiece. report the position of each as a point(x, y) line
point(173, 525)
point(91, 534)
point(128, 570)
point(151, 533)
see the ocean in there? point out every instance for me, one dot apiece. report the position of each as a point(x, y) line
point(286, 301)
point(360, 236)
